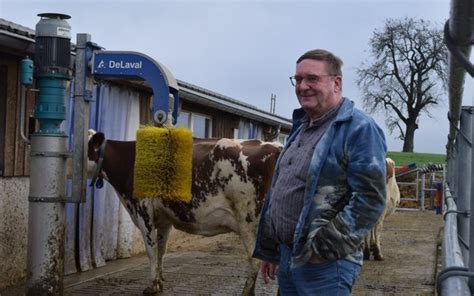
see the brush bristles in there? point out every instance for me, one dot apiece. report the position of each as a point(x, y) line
point(163, 163)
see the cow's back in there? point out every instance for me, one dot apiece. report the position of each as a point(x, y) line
point(219, 163)
point(393, 192)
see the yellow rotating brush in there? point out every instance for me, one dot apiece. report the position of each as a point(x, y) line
point(163, 163)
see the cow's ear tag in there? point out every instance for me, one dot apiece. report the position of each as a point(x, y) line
point(99, 184)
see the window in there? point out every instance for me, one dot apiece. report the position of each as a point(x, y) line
point(282, 138)
point(248, 130)
point(183, 120)
point(199, 124)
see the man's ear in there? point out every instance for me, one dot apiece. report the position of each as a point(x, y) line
point(338, 84)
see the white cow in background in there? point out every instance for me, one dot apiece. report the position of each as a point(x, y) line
point(372, 241)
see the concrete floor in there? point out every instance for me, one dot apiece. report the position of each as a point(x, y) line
point(409, 242)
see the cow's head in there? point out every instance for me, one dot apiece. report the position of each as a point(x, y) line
point(390, 165)
point(90, 153)
point(95, 140)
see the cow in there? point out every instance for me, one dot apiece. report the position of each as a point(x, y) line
point(372, 241)
point(229, 181)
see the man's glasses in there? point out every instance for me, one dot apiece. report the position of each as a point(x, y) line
point(310, 79)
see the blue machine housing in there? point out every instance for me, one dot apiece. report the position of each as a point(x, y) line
point(26, 72)
point(129, 64)
point(52, 70)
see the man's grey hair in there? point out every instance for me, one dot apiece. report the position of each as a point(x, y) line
point(334, 63)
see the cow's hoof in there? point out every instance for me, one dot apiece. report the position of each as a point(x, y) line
point(378, 257)
point(150, 291)
point(248, 291)
point(366, 255)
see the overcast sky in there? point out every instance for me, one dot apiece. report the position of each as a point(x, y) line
point(247, 49)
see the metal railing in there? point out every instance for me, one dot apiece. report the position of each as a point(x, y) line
point(450, 280)
point(457, 274)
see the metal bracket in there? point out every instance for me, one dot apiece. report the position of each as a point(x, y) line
point(467, 213)
point(47, 198)
point(64, 155)
point(160, 116)
point(85, 94)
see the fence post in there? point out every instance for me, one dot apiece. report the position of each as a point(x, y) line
point(470, 193)
point(452, 172)
point(443, 199)
point(417, 187)
point(463, 170)
point(432, 186)
point(422, 192)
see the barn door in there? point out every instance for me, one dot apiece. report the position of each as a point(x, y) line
point(100, 229)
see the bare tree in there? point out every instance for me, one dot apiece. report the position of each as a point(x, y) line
point(406, 76)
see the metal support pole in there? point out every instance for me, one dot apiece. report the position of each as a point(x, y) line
point(443, 199)
point(469, 180)
point(46, 223)
point(46, 217)
point(453, 172)
point(463, 190)
point(81, 121)
point(448, 171)
point(422, 193)
point(432, 185)
point(417, 192)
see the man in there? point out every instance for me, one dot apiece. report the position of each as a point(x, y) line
point(328, 187)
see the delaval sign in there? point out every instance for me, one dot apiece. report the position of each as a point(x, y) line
point(119, 64)
point(128, 64)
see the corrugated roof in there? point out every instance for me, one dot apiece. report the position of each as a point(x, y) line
point(188, 86)
point(16, 28)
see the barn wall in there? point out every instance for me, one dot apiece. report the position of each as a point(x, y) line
point(14, 153)
point(13, 229)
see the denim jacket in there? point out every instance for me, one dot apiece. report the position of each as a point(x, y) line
point(344, 195)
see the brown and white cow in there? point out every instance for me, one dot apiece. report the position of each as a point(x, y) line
point(372, 241)
point(230, 180)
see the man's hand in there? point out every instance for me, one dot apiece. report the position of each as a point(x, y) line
point(268, 271)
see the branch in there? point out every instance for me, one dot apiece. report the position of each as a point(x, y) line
point(402, 134)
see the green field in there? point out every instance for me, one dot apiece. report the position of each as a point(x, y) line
point(403, 158)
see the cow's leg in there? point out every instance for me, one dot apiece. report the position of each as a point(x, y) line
point(154, 283)
point(247, 234)
point(372, 239)
point(367, 246)
point(163, 232)
point(155, 244)
point(376, 246)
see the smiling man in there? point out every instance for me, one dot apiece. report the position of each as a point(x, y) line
point(328, 188)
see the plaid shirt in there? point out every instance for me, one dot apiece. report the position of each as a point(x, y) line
point(288, 191)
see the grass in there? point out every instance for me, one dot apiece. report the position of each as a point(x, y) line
point(404, 158)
